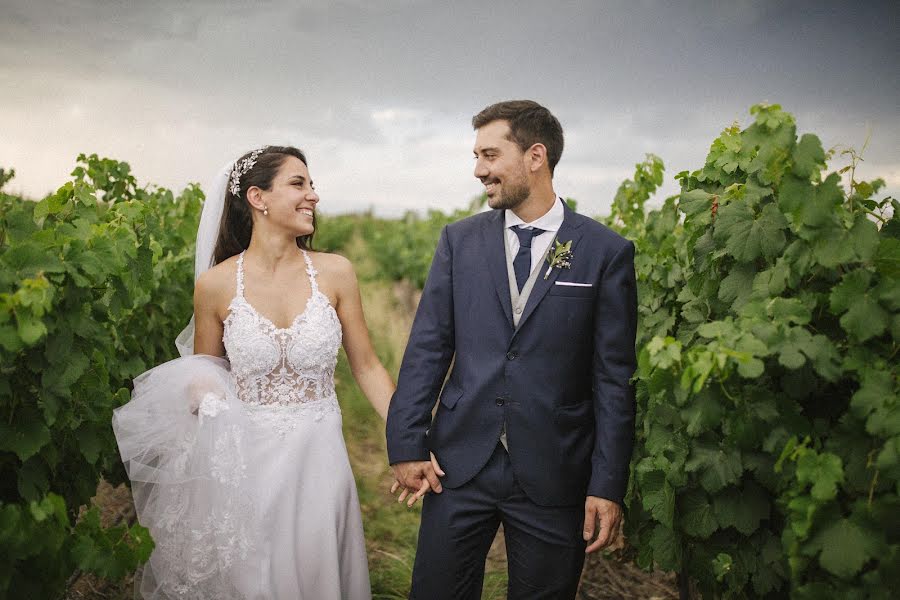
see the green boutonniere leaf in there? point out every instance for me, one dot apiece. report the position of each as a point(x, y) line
point(560, 257)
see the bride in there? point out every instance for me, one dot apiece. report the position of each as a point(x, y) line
point(235, 452)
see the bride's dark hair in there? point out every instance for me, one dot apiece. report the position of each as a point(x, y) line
point(237, 216)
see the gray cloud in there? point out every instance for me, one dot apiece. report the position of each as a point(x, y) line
point(381, 93)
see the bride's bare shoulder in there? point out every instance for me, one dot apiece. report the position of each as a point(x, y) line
point(331, 265)
point(337, 277)
point(218, 281)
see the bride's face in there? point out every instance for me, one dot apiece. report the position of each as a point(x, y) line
point(292, 199)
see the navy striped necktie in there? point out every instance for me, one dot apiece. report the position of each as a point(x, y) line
point(522, 261)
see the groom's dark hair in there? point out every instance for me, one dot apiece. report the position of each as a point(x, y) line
point(529, 124)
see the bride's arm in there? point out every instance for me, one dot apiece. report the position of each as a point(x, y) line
point(370, 374)
point(207, 338)
point(207, 322)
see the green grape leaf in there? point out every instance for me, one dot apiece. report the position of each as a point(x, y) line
point(696, 515)
point(876, 402)
point(696, 202)
point(852, 286)
point(658, 497)
point(770, 575)
point(51, 507)
point(808, 156)
point(736, 287)
point(31, 257)
point(797, 198)
point(865, 319)
point(863, 236)
point(702, 414)
point(89, 442)
point(742, 509)
point(9, 338)
point(666, 548)
point(61, 380)
point(715, 467)
point(824, 471)
point(31, 329)
point(790, 310)
point(50, 205)
point(770, 282)
point(664, 352)
point(26, 435)
point(748, 237)
point(722, 566)
point(802, 510)
point(887, 257)
point(830, 248)
point(141, 541)
point(794, 345)
point(844, 547)
point(825, 357)
point(888, 293)
point(811, 206)
point(750, 367)
point(889, 457)
point(59, 345)
point(33, 481)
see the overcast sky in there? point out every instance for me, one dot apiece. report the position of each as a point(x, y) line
point(381, 93)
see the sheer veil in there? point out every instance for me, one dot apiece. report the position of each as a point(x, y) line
point(207, 234)
point(183, 439)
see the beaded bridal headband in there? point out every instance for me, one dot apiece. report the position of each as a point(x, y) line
point(241, 168)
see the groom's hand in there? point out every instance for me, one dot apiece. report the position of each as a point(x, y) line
point(609, 514)
point(417, 477)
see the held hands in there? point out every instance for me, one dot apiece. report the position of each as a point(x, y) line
point(609, 515)
point(415, 478)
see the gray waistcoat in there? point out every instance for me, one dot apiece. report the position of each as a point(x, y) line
point(519, 299)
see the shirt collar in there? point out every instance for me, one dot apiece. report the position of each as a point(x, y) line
point(550, 221)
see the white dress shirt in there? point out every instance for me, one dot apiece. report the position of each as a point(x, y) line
point(550, 222)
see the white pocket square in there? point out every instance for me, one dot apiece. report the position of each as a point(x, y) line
point(573, 284)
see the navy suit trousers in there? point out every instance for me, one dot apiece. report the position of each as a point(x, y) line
point(544, 544)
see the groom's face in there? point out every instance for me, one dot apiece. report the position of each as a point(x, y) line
point(500, 166)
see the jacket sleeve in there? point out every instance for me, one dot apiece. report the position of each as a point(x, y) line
point(425, 362)
point(614, 363)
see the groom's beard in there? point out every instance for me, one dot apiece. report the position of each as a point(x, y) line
point(511, 196)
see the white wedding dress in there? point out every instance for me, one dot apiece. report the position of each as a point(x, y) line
point(252, 497)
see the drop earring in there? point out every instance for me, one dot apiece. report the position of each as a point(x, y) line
point(266, 210)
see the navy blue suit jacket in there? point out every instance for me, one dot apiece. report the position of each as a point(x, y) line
point(561, 380)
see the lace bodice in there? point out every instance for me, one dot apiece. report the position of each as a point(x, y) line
point(290, 367)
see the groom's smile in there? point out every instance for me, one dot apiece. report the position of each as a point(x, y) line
point(499, 160)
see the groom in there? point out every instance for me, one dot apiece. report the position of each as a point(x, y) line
point(534, 428)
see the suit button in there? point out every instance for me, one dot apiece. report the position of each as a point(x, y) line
point(511, 355)
point(500, 401)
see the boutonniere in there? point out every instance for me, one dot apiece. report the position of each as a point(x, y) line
point(560, 257)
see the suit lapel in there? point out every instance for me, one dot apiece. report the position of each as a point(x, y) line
point(569, 230)
point(495, 255)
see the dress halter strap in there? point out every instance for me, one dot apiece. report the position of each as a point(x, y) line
point(240, 275)
point(311, 271)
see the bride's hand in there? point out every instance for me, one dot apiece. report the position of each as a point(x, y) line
point(198, 389)
point(406, 492)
